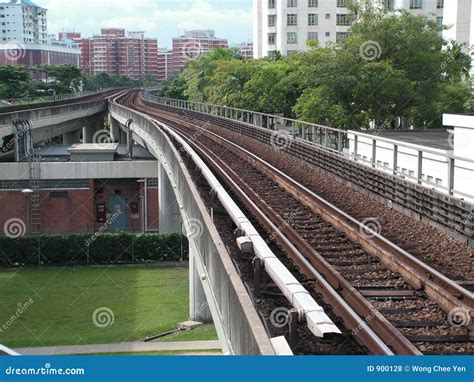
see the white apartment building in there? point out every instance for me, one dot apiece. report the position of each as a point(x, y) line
point(287, 25)
point(22, 21)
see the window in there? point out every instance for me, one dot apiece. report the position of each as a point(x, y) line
point(272, 20)
point(312, 3)
point(312, 36)
point(59, 195)
point(313, 19)
point(343, 3)
point(439, 21)
point(271, 38)
point(328, 16)
point(416, 4)
point(328, 34)
point(388, 4)
point(342, 20)
point(440, 4)
point(292, 38)
point(292, 19)
point(341, 36)
point(271, 4)
point(292, 3)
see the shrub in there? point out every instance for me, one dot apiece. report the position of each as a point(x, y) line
point(91, 249)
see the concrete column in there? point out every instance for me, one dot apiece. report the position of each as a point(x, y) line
point(123, 137)
point(88, 133)
point(198, 306)
point(72, 137)
point(170, 215)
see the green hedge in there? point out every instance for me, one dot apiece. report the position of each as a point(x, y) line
point(90, 249)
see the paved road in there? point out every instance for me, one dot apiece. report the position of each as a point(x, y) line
point(126, 347)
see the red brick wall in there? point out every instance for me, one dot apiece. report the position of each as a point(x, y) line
point(77, 212)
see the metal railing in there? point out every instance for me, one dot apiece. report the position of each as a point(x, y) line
point(56, 98)
point(343, 142)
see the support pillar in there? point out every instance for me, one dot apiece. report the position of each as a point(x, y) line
point(114, 129)
point(170, 215)
point(72, 137)
point(198, 306)
point(88, 133)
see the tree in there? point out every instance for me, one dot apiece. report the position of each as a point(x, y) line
point(61, 79)
point(15, 82)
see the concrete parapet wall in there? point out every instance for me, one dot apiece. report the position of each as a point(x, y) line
point(238, 325)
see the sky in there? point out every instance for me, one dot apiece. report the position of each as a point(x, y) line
point(162, 19)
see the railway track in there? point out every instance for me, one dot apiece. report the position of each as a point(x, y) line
point(410, 311)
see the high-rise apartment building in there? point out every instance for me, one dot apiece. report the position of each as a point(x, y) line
point(24, 38)
point(287, 25)
point(117, 53)
point(165, 58)
point(193, 44)
point(23, 21)
point(246, 50)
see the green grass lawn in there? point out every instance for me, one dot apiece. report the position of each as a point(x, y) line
point(144, 302)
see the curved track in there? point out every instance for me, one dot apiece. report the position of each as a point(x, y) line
point(406, 308)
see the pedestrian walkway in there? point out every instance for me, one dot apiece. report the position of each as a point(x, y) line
point(189, 347)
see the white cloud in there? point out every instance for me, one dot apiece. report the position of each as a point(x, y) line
point(161, 19)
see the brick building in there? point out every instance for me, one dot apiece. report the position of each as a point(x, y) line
point(117, 53)
point(193, 44)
